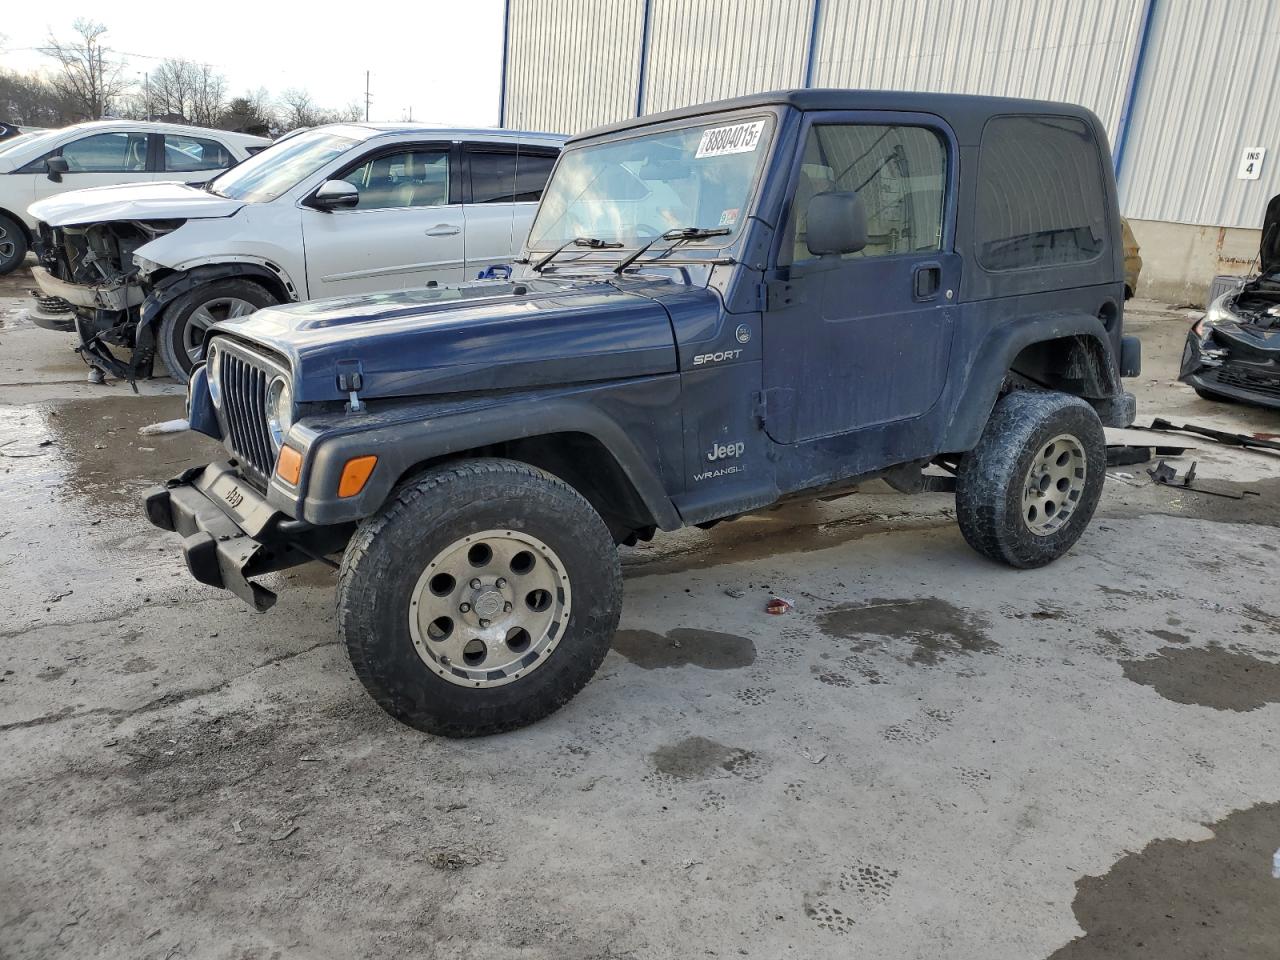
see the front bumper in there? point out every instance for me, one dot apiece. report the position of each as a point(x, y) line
point(230, 533)
point(1254, 381)
point(118, 297)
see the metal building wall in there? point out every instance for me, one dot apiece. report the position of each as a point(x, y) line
point(571, 64)
point(703, 50)
point(1210, 88)
point(1078, 51)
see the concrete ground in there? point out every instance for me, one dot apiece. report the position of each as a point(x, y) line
point(931, 756)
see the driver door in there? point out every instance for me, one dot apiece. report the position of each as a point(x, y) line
point(406, 230)
point(863, 340)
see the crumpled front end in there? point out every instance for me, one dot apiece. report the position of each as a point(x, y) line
point(1234, 350)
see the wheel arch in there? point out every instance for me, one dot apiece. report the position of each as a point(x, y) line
point(172, 284)
point(1069, 353)
point(22, 225)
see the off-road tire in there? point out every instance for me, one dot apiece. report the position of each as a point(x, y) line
point(12, 232)
point(390, 550)
point(169, 338)
point(992, 476)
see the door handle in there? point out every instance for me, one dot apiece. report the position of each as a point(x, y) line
point(926, 281)
point(444, 230)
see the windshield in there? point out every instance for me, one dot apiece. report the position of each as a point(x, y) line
point(24, 140)
point(631, 191)
point(277, 169)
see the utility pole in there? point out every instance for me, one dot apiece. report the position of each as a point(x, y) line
point(366, 96)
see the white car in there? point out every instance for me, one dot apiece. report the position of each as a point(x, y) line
point(337, 210)
point(44, 163)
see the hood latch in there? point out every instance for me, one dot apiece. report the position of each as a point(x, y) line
point(351, 382)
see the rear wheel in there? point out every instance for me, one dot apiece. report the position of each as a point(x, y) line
point(1029, 488)
point(187, 320)
point(13, 245)
point(481, 598)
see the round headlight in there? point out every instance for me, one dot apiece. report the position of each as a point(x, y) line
point(279, 410)
point(211, 364)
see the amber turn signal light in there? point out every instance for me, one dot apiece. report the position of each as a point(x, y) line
point(355, 475)
point(289, 465)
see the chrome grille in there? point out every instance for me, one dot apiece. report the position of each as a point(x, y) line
point(243, 378)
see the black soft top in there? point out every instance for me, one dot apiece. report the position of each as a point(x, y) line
point(964, 113)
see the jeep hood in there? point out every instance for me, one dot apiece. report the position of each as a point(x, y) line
point(132, 201)
point(494, 335)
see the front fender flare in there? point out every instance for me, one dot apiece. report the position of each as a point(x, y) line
point(407, 441)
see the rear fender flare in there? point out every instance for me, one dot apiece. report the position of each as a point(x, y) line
point(995, 358)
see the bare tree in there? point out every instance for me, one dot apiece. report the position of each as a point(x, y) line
point(209, 97)
point(299, 110)
point(89, 78)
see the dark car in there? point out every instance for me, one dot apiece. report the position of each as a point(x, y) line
point(1233, 351)
point(722, 307)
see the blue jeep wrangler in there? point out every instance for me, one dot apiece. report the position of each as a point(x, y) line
point(720, 307)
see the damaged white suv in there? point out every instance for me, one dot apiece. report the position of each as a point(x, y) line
point(337, 210)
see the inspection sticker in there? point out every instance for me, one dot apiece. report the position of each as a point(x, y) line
point(739, 138)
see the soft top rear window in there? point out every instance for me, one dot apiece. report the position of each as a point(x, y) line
point(1041, 195)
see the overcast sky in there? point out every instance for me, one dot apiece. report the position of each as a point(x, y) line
point(440, 58)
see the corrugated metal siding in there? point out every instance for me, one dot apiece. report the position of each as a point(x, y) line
point(702, 50)
point(1210, 88)
point(1077, 51)
point(572, 64)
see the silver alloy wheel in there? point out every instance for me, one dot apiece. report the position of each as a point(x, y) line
point(1054, 485)
point(489, 608)
point(7, 244)
point(205, 316)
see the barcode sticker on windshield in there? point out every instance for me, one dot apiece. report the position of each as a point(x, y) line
point(739, 138)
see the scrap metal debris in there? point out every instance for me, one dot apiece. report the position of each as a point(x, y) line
point(1245, 440)
point(1167, 476)
point(1126, 454)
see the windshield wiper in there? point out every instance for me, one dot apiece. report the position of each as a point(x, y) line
point(590, 242)
point(679, 235)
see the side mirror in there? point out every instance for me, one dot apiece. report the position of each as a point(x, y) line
point(57, 166)
point(837, 223)
point(335, 195)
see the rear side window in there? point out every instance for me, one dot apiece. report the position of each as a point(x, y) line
point(1041, 198)
point(504, 176)
point(194, 153)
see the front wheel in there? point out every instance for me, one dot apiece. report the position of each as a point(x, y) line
point(481, 598)
point(1029, 488)
point(188, 319)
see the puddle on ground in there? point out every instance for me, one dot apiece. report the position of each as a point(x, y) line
point(88, 453)
point(935, 628)
point(1185, 900)
point(1208, 677)
point(697, 758)
point(685, 648)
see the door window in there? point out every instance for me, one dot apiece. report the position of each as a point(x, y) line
point(493, 176)
point(194, 153)
point(413, 178)
point(532, 172)
point(119, 152)
point(899, 171)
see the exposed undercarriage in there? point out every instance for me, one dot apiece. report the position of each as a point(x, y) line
point(90, 282)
